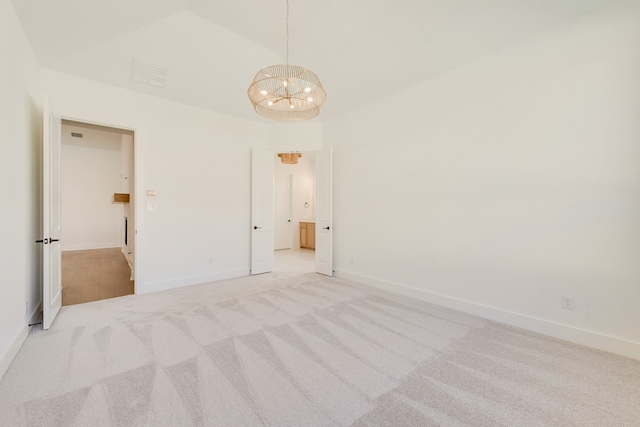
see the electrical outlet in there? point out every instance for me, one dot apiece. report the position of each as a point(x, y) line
point(568, 302)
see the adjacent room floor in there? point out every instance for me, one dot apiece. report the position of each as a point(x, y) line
point(98, 274)
point(93, 275)
point(295, 260)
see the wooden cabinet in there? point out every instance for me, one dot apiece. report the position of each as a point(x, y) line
point(308, 235)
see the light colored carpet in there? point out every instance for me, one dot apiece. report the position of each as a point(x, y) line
point(300, 349)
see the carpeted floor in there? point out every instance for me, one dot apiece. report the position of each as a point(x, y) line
point(300, 349)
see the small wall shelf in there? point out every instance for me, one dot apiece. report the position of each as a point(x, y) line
point(120, 198)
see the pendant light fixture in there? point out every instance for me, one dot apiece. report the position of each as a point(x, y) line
point(289, 158)
point(287, 92)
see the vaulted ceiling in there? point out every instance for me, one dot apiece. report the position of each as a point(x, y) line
point(362, 50)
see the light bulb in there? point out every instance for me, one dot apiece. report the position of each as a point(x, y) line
point(270, 103)
point(284, 83)
point(307, 89)
point(310, 99)
point(264, 92)
point(291, 106)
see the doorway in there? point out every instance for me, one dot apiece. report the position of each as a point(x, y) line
point(262, 211)
point(97, 212)
point(294, 221)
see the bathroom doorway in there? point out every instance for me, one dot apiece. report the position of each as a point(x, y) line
point(294, 222)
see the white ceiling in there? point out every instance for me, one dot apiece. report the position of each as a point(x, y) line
point(361, 49)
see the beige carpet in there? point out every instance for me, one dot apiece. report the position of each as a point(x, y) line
point(300, 349)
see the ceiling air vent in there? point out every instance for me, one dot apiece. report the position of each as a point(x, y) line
point(76, 135)
point(148, 72)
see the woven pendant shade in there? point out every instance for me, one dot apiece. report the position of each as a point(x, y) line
point(289, 158)
point(287, 93)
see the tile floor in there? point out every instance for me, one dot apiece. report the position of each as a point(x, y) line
point(94, 275)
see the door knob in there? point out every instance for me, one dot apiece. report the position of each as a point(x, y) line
point(255, 227)
point(54, 240)
point(326, 228)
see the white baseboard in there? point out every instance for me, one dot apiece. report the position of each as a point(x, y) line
point(584, 337)
point(188, 281)
point(10, 353)
point(83, 247)
point(7, 357)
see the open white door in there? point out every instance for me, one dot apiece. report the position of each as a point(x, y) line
point(283, 226)
point(324, 209)
point(262, 167)
point(51, 254)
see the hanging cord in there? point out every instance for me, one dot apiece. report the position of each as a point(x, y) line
point(286, 88)
point(287, 33)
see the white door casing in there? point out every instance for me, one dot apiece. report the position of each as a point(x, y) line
point(262, 215)
point(324, 219)
point(283, 226)
point(51, 253)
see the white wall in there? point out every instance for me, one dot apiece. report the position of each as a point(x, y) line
point(90, 175)
point(306, 136)
point(506, 183)
point(304, 181)
point(197, 161)
point(20, 159)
